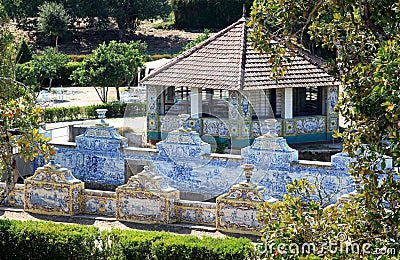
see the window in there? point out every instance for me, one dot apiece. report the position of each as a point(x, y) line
point(215, 103)
point(265, 103)
point(307, 101)
point(176, 100)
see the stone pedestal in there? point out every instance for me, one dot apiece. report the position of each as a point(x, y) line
point(97, 159)
point(53, 190)
point(269, 151)
point(237, 209)
point(183, 144)
point(146, 198)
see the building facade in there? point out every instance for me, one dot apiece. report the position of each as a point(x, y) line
point(226, 88)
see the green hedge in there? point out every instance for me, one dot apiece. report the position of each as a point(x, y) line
point(48, 240)
point(65, 72)
point(115, 109)
point(211, 14)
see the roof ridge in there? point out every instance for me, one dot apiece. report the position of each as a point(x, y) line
point(242, 64)
point(193, 49)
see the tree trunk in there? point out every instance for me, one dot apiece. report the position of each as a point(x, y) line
point(102, 93)
point(121, 30)
point(57, 43)
point(10, 174)
point(118, 94)
point(50, 81)
point(9, 162)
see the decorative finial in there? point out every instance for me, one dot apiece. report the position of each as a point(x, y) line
point(183, 122)
point(244, 10)
point(52, 165)
point(269, 129)
point(248, 171)
point(101, 113)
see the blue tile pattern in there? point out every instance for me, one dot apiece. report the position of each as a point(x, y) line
point(183, 161)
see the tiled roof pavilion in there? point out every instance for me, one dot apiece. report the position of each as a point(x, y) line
point(227, 61)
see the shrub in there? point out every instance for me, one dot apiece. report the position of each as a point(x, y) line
point(47, 240)
point(64, 73)
point(24, 52)
point(26, 74)
point(189, 247)
point(77, 57)
point(132, 244)
point(114, 109)
point(160, 56)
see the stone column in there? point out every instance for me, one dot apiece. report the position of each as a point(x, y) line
point(195, 103)
point(288, 104)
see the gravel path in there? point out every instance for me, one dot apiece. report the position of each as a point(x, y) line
point(108, 223)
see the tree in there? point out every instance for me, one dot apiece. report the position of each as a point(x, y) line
point(110, 65)
point(53, 20)
point(19, 115)
point(365, 36)
point(47, 65)
point(24, 52)
point(128, 13)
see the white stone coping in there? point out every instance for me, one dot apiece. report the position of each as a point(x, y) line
point(196, 204)
point(99, 193)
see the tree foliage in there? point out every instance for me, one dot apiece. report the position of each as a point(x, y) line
point(365, 36)
point(19, 115)
point(53, 20)
point(48, 64)
point(24, 53)
point(128, 13)
point(53, 16)
point(110, 65)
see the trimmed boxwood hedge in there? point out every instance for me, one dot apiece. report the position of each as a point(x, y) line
point(115, 109)
point(48, 240)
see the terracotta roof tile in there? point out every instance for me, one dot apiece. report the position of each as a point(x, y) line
point(227, 61)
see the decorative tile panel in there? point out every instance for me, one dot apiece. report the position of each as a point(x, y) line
point(16, 197)
point(211, 126)
point(99, 202)
point(195, 212)
point(195, 124)
point(234, 130)
point(169, 123)
point(333, 123)
point(53, 190)
point(152, 123)
point(146, 198)
point(289, 127)
point(310, 125)
point(245, 130)
point(237, 209)
point(151, 100)
point(246, 108)
point(255, 129)
point(234, 106)
point(224, 129)
point(333, 95)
